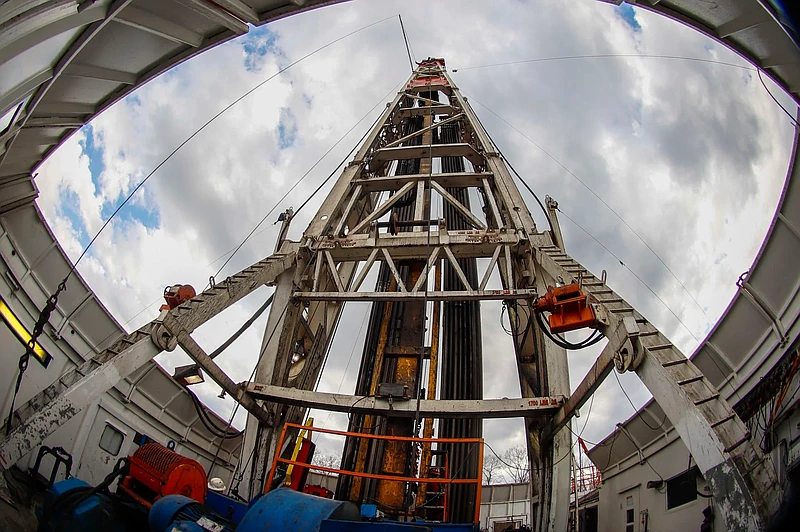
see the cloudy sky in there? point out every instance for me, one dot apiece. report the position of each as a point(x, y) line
point(690, 154)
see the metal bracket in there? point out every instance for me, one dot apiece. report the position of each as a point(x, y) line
point(631, 353)
point(163, 338)
point(393, 391)
point(752, 294)
point(600, 314)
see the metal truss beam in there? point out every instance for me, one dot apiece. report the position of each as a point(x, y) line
point(103, 74)
point(419, 152)
point(240, 9)
point(436, 110)
point(449, 180)
point(81, 394)
point(424, 130)
point(416, 245)
point(215, 12)
point(462, 295)
point(166, 29)
point(53, 121)
point(398, 407)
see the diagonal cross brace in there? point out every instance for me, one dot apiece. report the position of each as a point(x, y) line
point(199, 355)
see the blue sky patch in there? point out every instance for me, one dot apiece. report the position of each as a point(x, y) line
point(69, 207)
point(287, 129)
point(95, 155)
point(134, 211)
point(628, 14)
point(256, 44)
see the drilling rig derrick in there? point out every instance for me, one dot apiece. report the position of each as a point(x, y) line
point(413, 445)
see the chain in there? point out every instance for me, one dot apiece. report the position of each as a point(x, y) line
point(30, 347)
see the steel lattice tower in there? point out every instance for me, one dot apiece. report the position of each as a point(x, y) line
point(428, 146)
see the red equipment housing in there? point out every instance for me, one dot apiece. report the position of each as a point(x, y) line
point(319, 491)
point(568, 307)
point(176, 294)
point(435, 81)
point(299, 473)
point(156, 472)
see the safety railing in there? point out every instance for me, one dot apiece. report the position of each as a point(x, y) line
point(478, 442)
point(585, 478)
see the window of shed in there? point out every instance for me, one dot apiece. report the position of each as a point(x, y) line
point(629, 520)
point(111, 440)
point(682, 489)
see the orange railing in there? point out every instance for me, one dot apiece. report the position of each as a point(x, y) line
point(586, 478)
point(389, 478)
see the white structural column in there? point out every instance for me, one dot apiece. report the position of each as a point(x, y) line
point(553, 511)
point(257, 444)
point(745, 501)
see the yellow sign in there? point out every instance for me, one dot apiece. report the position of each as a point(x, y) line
point(22, 333)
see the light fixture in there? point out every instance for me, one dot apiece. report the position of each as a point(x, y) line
point(188, 375)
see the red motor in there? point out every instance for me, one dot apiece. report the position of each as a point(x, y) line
point(176, 295)
point(156, 471)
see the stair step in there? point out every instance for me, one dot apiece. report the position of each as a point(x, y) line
point(690, 380)
point(621, 309)
point(723, 420)
point(671, 363)
point(658, 347)
point(706, 399)
point(738, 443)
point(612, 300)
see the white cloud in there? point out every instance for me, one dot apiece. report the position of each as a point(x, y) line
point(692, 155)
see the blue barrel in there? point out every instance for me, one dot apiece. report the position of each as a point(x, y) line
point(164, 511)
point(286, 509)
point(179, 513)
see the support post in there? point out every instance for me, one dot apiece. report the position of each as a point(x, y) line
point(257, 447)
point(552, 211)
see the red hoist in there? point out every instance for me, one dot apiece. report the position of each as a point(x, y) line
point(177, 294)
point(568, 307)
